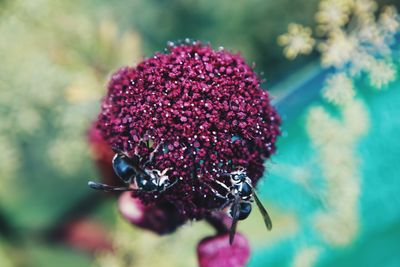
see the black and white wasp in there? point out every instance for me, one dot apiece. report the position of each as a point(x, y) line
point(238, 198)
point(135, 175)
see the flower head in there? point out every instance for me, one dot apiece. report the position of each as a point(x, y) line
point(296, 41)
point(389, 19)
point(338, 49)
point(381, 74)
point(339, 89)
point(192, 114)
point(333, 14)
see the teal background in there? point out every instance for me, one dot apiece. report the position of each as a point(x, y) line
point(378, 240)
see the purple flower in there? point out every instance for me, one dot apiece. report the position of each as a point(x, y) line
point(193, 114)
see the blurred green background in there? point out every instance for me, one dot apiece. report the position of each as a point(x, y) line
point(56, 57)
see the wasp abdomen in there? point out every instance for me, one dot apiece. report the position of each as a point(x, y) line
point(123, 168)
point(244, 210)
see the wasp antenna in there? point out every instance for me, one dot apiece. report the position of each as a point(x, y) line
point(107, 188)
point(117, 150)
point(263, 211)
point(120, 152)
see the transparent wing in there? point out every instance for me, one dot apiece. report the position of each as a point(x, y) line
point(263, 211)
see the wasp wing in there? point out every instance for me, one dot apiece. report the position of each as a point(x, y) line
point(107, 188)
point(235, 216)
point(263, 211)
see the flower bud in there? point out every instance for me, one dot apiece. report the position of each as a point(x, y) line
point(215, 251)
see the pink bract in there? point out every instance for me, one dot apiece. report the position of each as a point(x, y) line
point(215, 251)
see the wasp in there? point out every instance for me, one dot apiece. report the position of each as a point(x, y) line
point(135, 175)
point(238, 199)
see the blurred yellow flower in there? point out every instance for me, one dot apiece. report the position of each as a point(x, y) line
point(338, 89)
point(306, 257)
point(356, 118)
point(296, 41)
point(375, 41)
point(381, 73)
point(365, 9)
point(335, 140)
point(389, 19)
point(338, 49)
point(354, 40)
point(333, 14)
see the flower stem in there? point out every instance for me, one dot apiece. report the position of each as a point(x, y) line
point(220, 222)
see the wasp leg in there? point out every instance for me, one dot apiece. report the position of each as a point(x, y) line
point(235, 217)
point(108, 188)
point(151, 156)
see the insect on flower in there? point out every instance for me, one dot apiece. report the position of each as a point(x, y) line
point(213, 124)
point(136, 175)
point(238, 199)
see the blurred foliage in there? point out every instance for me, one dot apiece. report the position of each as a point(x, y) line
point(55, 62)
point(135, 247)
point(249, 27)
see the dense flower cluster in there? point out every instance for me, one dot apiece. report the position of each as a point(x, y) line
point(201, 112)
